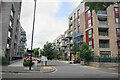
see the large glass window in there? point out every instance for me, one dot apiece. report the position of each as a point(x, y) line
point(89, 14)
point(90, 33)
point(117, 20)
point(90, 44)
point(116, 10)
point(89, 23)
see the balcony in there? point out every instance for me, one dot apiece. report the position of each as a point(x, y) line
point(102, 22)
point(23, 33)
point(69, 43)
point(69, 36)
point(80, 41)
point(102, 14)
point(64, 38)
point(80, 32)
point(118, 38)
point(64, 45)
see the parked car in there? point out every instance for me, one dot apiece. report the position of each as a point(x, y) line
point(33, 59)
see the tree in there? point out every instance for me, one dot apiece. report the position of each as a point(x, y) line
point(75, 49)
point(98, 5)
point(48, 51)
point(36, 52)
point(85, 53)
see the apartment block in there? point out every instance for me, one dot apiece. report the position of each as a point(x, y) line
point(101, 31)
point(11, 29)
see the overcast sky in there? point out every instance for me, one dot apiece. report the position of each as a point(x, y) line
point(51, 20)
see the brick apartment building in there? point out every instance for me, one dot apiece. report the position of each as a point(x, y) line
point(13, 36)
point(101, 31)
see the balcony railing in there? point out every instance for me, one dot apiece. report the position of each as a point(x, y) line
point(69, 36)
point(64, 44)
point(69, 43)
point(102, 22)
point(64, 38)
point(80, 41)
point(80, 32)
point(103, 34)
point(102, 12)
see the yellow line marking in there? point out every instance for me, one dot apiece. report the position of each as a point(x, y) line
point(97, 69)
point(47, 67)
point(55, 70)
point(92, 67)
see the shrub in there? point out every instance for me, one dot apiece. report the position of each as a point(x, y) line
point(27, 63)
point(5, 61)
point(70, 62)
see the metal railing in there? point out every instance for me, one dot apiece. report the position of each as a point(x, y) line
point(114, 59)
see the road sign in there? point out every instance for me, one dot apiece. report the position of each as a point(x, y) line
point(30, 51)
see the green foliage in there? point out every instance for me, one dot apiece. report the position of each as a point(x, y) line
point(75, 48)
point(36, 52)
point(98, 5)
point(70, 62)
point(48, 51)
point(85, 53)
point(5, 61)
point(27, 63)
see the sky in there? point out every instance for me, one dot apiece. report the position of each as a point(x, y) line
point(51, 20)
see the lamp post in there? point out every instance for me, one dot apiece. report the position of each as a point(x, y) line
point(32, 34)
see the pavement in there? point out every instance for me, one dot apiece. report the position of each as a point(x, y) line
point(58, 69)
point(18, 67)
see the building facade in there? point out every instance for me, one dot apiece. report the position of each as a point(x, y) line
point(11, 29)
point(101, 30)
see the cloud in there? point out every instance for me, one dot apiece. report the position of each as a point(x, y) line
point(47, 28)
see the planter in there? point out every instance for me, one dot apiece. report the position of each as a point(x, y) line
point(27, 63)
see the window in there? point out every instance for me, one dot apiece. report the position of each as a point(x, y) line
point(89, 23)
point(118, 32)
point(90, 33)
point(117, 20)
point(90, 47)
point(103, 43)
point(10, 23)
point(105, 53)
point(89, 13)
point(9, 34)
point(8, 46)
point(90, 42)
point(103, 31)
point(118, 44)
point(116, 10)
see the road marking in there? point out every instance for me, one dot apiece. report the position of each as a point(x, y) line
point(47, 67)
point(97, 69)
point(93, 68)
point(55, 70)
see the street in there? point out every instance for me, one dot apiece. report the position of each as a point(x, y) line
point(65, 70)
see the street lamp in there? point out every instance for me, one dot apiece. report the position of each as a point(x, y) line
point(32, 34)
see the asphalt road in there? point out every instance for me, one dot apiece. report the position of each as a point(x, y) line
point(65, 70)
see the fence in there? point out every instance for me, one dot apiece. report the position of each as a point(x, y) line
point(113, 59)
